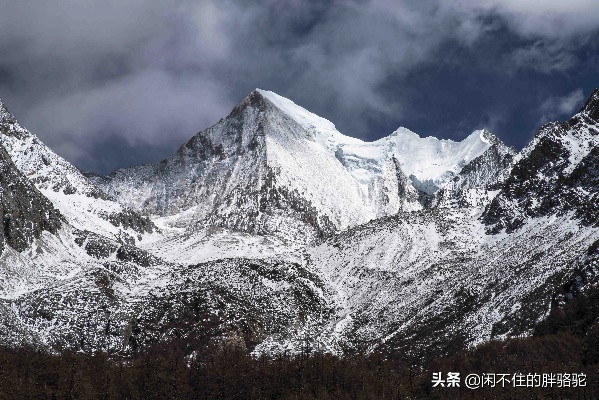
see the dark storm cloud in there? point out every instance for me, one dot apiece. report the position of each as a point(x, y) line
point(93, 78)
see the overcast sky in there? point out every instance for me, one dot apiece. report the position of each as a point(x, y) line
point(109, 84)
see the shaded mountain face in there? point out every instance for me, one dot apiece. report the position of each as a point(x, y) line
point(271, 167)
point(25, 212)
point(555, 174)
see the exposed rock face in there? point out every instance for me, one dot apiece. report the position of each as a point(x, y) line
point(420, 281)
point(42, 166)
point(473, 185)
point(25, 212)
point(129, 219)
point(224, 177)
point(591, 107)
point(260, 299)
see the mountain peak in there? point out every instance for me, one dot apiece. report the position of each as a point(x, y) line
point(591, 107)
point(304, 117)
point(254, 99)
point(488, 137)
point(6, 116)
point(405, 133)
point(319, 129)
point(259, 96)
point(273, 97)
point(262, 99)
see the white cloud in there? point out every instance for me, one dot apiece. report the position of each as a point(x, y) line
point(540, 56)
point(551, 19)
point(555, 107)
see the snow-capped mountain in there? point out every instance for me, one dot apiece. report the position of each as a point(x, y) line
point(271, 167)
point(508, 232)
point(276, 231)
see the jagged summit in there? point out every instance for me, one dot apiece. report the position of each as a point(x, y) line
point(7, 121)
point(321, 130)
point(403, 140)
point(82, 203)
point(312, 127)
point(5, 115)
point(559, 163)
point(254, 98)
point(489, 136)
point(432, 162)
point(591, 106)
point(257, 170)
point(428, 161)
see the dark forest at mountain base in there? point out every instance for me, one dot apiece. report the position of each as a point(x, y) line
point(231, 374)
point(567, 342)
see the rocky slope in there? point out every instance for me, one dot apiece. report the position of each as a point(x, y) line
point(474, 185)
point(556, 173)
point(25, 212)
point(422, 281)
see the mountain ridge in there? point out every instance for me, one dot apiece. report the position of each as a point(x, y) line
point(293, 235)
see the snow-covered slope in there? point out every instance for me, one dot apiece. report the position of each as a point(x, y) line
point(82, 203)
point(82, 291)
point(429, 160)
point(419, 281)
point(78, 281)
point(508, 233)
